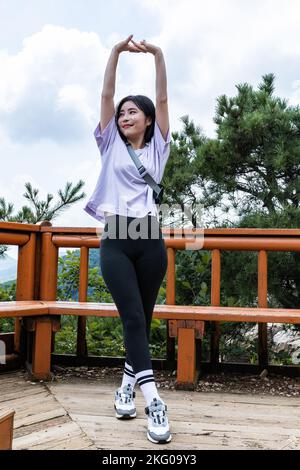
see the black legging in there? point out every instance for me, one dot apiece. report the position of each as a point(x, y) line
point(133, 270)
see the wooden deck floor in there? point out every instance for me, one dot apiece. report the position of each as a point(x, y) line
point(78, 414)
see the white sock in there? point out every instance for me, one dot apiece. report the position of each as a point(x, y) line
point(146, 382)
point(128, 376)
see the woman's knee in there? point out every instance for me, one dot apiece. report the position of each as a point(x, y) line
point(134, 322)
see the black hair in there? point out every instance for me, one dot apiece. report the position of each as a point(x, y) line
point(146, 105)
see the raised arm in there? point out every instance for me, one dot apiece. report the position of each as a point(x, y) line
point(108, 90)
point(162, 113)
point(109, 81)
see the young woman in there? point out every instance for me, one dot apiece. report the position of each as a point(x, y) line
point(133, 262)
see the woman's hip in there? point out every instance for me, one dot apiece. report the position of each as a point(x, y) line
point(131, 228)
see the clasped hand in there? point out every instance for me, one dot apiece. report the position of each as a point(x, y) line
point(141, 46)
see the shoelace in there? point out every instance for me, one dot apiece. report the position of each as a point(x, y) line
point(157, 414)
point(126, 396)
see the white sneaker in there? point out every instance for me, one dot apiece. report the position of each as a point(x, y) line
point(158, 425)
point(124, 404)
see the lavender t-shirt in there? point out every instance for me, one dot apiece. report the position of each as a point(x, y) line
point(120, 189)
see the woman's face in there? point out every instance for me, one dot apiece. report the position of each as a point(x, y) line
point(132, 120)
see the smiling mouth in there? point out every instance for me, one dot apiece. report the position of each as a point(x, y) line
point(125, 127)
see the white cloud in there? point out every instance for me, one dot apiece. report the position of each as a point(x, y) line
point(48, 89)
point(13, 189)
point(295, 98)
point(74, 99)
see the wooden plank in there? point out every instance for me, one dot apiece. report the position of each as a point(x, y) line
point(105, 430)
point(30, 409)
point(51, 435)
point(40, 417)
point(25, 430)
point(94, 388)
point(179, 312)
point(167, 312)
point(207, 414)
point(19, 308)
point(31, 402)
point(73, 443)
point(206, 440)
point(17, 394)
point(195, 413)
point(108, 424)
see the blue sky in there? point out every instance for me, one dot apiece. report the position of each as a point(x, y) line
point(53, 56)
point(22, 18)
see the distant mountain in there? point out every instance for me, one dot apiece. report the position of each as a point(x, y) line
point(8, 268)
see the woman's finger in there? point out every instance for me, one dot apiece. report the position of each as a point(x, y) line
point(135, 43)
point(140, 46)
point(133, 49)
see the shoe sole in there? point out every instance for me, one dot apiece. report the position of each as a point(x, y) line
point(126, 416)
point(159, 442)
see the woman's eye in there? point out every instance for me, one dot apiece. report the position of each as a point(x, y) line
point(130, 112)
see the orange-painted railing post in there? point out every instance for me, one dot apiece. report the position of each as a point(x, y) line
point(215, 301)
point(6, 429)
point(186, 368)
point(171, 300)
point(25, 279)
point(49, 265)
point(262, 279)
point(82, 297)
point(44, 327)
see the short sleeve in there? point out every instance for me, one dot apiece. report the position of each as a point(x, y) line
point(106, 138)
point(162, 145)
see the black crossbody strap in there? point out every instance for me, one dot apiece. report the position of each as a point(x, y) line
point(143, 172)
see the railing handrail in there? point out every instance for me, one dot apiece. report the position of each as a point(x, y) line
point(270, 232)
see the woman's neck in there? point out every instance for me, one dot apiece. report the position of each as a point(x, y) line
point(137, 144)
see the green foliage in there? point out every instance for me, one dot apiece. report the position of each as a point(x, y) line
point(66, 338)
point(181, 178)
point(105, 337)
point(193, 277)
point(158, 341)
point(7, 293)
point(41, 209)
point(280, 358)
point(254, 162)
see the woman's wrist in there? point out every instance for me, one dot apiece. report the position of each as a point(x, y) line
point(115, 50)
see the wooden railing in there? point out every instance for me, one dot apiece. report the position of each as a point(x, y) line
point(38, 264)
